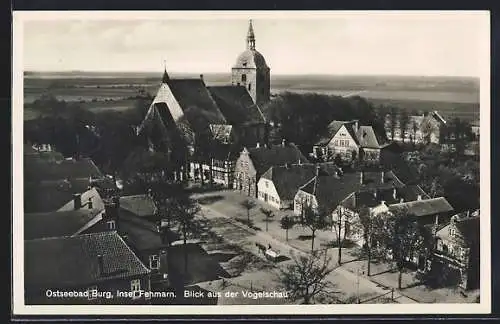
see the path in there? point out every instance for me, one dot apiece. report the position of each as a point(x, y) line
point(365, 285)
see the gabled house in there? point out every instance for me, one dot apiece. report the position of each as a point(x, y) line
point(88, 265)
point(347, 141)
point(457, 247)
point(279, 184)
point(425, 128)
point(426, 211)
point(254, 162)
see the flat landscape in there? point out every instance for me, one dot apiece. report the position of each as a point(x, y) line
point(452, 96)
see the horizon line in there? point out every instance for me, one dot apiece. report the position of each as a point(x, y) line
point(275, 74)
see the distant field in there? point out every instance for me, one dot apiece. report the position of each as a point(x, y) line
point(103, 91)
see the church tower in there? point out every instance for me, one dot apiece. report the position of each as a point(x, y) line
point(252, 72)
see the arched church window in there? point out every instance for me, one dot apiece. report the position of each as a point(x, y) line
point(243, 78)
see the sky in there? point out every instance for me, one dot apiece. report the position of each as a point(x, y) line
point(384, 43)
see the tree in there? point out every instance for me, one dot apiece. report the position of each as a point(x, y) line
point(314, 220)
point(366, 222)
point(248, 205)
point(305, 279)
point(184, 210)
point(404, 121)
point(393, 120)
point(342, 223)
point(403, 237)
point(287, 223)
point(269, 214)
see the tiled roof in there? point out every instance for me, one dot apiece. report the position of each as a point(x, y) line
point(330, 191)
point(424, 207)
point(196, 102)
point(139, 205)
point(333, 128)
point(61, 223)
point(468, 227)
point(88, 195)
point(367, 137)
point(38, 170)
point(236, 104)
point(288, 179)
point(265, 157)
point(368, 198)
point(73, 261)
point(47, 196)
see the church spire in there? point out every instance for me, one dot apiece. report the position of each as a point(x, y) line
point(165, 77)
point(250, 37)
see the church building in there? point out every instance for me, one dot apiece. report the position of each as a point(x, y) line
point(218, 121)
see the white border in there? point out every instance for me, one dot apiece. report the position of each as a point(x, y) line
point(17, 185)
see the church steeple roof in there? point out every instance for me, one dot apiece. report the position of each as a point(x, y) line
point(250, 37)
point(165, 77)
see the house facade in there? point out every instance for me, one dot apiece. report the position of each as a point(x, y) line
point(457, 249)
point(253, 162)
point(347, 141)
point(426, 128)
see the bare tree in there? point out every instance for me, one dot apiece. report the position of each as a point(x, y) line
point(287, 223)
point(404, 121)
point(341, 224)
point(366, 222)
point(314, 220)
point(248, 205)
point(305, 279)
point(393, 120)
point(269, 214)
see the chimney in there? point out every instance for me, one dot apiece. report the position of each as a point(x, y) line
point(382, 202)
point(362, 177)
point(100, 264)
point(77, 200)
point(419, 197)
point(283, 142)
point(299, 162)
point(201, 77)
point(394, 193)
point(90, 205)
point(401, 200)
point(375, 193)
point(356, 125)
point(317, 170)
point(257, 145)
point(382, 177)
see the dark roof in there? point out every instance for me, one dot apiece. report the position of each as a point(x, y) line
point(373, 179)
point(139, 205)
point(424, 207)
point(196, 102)
point(367, 137)
point(47, 196)
point(225, 152)
point(55, 224)
point(265, 157)
point(372, 198)
point(287, 179)
point(330, 191)
point(468, 227)
point(73, 261)
point(333, 128)
point(236, 104)
point(38, 170)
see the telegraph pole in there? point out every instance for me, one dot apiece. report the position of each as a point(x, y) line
point(357, 285)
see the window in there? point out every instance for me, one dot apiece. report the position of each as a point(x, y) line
point(135, 288)
point(154, 262)
point(249, 87)
point(267, 184)
point(243, 78)
point(111, 225)
point(92, 290)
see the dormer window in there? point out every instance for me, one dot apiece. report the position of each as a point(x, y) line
point(111, 225)
point(244, 64)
